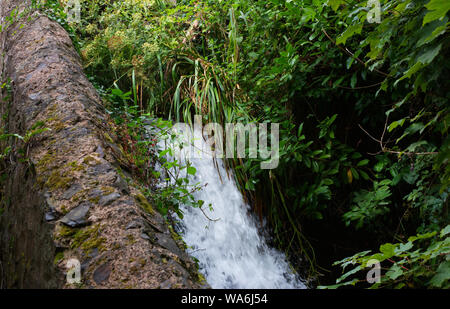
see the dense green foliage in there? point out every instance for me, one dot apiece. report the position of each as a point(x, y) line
point(362, 107)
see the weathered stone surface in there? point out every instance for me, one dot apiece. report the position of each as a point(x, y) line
point(74, 189)
point(108, 199)
point(77, 216)
point(102, 273)
point(75, 164)
point(121, 185)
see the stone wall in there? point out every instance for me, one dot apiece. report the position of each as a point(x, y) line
point(67, 191)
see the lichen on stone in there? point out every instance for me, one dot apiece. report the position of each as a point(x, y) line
point(143, 202)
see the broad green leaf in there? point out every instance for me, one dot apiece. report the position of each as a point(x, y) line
point(437, 10)
point(422, 236)
point(442, 275)
point(335, 4)
point(430, 54)
point(351, 30)
point(403, 247)
point(388, 250)
point(191, 170)
point(445, 231)
point(394, 272)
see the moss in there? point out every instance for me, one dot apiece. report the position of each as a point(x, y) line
point(65, 231)
point(108, 138)
point(64, 210)
point(58, 126)
point(58, 257)
point(200, 278)
point(76, 167)
point(178, 239)
point(108, 190)
point(131, 239)
point(88, 239)
point(44, 163)
point(94, 200)
point(90, 160)
point(78, 196)
point(142, 200)
point(58, 180)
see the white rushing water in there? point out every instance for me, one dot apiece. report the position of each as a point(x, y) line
point(231, 252)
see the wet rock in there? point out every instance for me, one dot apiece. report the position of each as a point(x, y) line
point(100, 169)
point(94, 193)
point(166, 285)
point(134, 225)
point(102, 273)
point(167, 242)
point(108, 199)
point(121, 185)
point(51, 215)
point(34, 96)
point(100, 151)
point(74, 189)
point(147, 237)
point(77, 216)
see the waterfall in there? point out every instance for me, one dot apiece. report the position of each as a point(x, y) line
point(232, 253)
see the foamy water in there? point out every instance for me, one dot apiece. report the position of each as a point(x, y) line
point(231, 252)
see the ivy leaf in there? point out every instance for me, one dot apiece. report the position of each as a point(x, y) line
point(437, 10)
point(403, 247)
point(351, 30)
point(388, 250)
point(442, 275)
point(394, 272)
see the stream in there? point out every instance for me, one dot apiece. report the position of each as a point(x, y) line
point(226, 240)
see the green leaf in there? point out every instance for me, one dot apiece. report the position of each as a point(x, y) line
point(421, 236)
point(363, 162)
point(437, 10)
point(191, 170)
point(388, 250)
point(442, 275)
point(403, 247)
point(430, 54)
point(335, 4)
point(351, 30)
point(445, 231)
point(394, 272)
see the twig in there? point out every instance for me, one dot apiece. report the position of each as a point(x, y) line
point(384, 149)
point(207, 216)
point(351, 54)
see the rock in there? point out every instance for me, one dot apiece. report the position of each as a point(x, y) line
point(146, 237)
point(50, 216)
point(134, 225)
point(108, 199)
point(100, 151)
point(166, 285)
point(102, 273)
point(100, 169)
point(121, 185)
point(77, 216)
point(74, 189)
point(94, 193)
point(167, 242)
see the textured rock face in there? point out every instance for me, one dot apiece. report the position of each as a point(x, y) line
point(71, 198)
